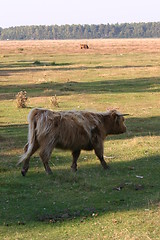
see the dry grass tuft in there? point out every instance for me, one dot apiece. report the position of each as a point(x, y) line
point(21, 98)
point(54, 101)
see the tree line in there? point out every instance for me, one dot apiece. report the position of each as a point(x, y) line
point(93, 31)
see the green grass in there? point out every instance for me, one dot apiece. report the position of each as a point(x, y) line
point(121, 203)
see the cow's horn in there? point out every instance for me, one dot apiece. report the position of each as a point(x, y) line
point(124, 114)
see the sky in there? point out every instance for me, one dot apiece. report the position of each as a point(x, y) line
point(60, 12)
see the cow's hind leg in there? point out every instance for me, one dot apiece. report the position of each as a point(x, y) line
point(45, 155)
point(26, 162)
point(75, 155)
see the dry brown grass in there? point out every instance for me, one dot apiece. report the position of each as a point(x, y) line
point(101, 46)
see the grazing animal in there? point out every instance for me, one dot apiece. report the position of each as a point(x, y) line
point(70, 130)
point(84, 46)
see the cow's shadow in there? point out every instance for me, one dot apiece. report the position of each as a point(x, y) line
point(128, 185)
point(89, 192)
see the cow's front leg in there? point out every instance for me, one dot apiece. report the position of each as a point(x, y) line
point(99, 153)
point(75, 155)
point(103, 162)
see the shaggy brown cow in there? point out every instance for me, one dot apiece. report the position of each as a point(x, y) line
point(71, 130)
point(84, 46)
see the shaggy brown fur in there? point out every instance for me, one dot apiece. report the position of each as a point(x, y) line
point(71, 130)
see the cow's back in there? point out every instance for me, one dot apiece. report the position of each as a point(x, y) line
point(75, 129)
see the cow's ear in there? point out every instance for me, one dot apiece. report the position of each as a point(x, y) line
point(115, 116)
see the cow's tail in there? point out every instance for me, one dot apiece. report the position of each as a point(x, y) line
point(31, 136)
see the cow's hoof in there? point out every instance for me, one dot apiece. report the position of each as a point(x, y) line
point(74, 169)
point(106, 167)
point(23, 173)
point(49, 172)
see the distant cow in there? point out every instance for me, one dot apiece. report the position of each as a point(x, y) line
point(70, 130)
point(85, 46)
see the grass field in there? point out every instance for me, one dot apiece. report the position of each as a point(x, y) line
point(120, 203)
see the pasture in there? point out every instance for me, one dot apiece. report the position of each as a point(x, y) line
point(120, 203)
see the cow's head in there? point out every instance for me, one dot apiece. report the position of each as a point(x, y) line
point(117, 125)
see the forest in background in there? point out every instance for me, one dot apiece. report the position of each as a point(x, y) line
point(125, 30)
